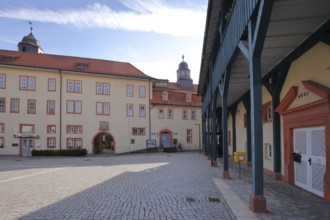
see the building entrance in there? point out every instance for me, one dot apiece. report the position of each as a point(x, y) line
point(103, 142)
point(309, 158)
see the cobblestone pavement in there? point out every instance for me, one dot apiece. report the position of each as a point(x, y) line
point(141, 186)
point(283, 200)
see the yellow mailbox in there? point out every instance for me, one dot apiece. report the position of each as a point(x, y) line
point(239, 156)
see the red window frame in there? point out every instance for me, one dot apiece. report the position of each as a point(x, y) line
point(28, 106)
point(265, 113)
point(139, 131)
point(143, 89)
point(49, 89)
point(102, 88)
point(28, 78)
point(74, 129)
point(21, 128)
point(4, 81)
point(4, 104)
point(74, 86)
point(48, 142)
point(103, 108)
point(49, 130)
point(193, 114)
point(144, 115)
point(11, 105)
point(47, 110)
point(129, 106)
point(74, 111)
point(74, 143)
point(128, 91)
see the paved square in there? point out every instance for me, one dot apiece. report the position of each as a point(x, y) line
point(140, 186)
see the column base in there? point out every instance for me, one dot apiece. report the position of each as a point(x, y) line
point(277, 176)
point(209, 157)
point(248, 164)
point(226, 175)
point(214, 163)
point(258, 203)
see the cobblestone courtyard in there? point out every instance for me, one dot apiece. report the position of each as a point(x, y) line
point(142, 186)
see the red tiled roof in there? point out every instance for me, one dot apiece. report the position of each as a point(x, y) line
point(69, 63)
point(175, 98)
point(171, 86)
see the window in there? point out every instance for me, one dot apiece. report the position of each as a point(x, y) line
point(51, 85)
point(2, 128)
point(2, 104)
point(185, 114)
point(139, 131)
point(142, 110)
point(51, 142)
point(74, 143)
point(165, 96)
point(2, 81)
point(102, 88)
point(27, 83)
point(132, 141)
point(74, 86)
point(2, 142)
point(161, 113)
point(267, 112)
point(129, 110)
point(130, 90)
point(102, 108)
point(31, 106)
point(268, 151)
point(51, 129)
point(142, 91)
point(14, 105)
point(169, 113)
point(193, 114)
point(74, 129)
point(73, 107)
point(27, 129)
point(50, 107)
point(189, 136)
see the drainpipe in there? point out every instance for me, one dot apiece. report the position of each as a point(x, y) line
point(59, 71)
point(149, 109)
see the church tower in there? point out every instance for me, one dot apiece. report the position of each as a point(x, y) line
point(183, 76)
point(30, 44)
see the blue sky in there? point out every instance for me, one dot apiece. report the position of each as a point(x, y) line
point(150, 34)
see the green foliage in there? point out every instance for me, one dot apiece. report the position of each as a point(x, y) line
point(54, 153)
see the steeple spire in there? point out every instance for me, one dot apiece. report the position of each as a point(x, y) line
point(182, 57)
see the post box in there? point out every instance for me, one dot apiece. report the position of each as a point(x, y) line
point(239, 156)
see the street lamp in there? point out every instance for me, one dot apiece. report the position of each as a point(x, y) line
point(199, 138)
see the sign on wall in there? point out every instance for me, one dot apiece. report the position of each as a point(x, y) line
point(151, 143)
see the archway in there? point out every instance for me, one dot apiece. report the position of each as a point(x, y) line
point(103, 142)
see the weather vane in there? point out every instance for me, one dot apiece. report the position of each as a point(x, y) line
point(30, 26)
point(182, 57)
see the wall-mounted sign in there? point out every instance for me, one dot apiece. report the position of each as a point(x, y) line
point(104, 125)
point(151, 143)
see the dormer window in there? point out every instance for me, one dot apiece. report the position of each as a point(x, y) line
point(188, 98)
point(81, 66)
point(165, 96)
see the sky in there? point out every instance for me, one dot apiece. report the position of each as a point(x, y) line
point(152, 35)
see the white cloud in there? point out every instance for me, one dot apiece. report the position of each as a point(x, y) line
point(142, 16)
point(8, 41)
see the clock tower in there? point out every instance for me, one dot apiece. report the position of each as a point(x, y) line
point(183, 76)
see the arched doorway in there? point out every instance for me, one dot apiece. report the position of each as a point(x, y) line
point(165, 138)
point(103, 142)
